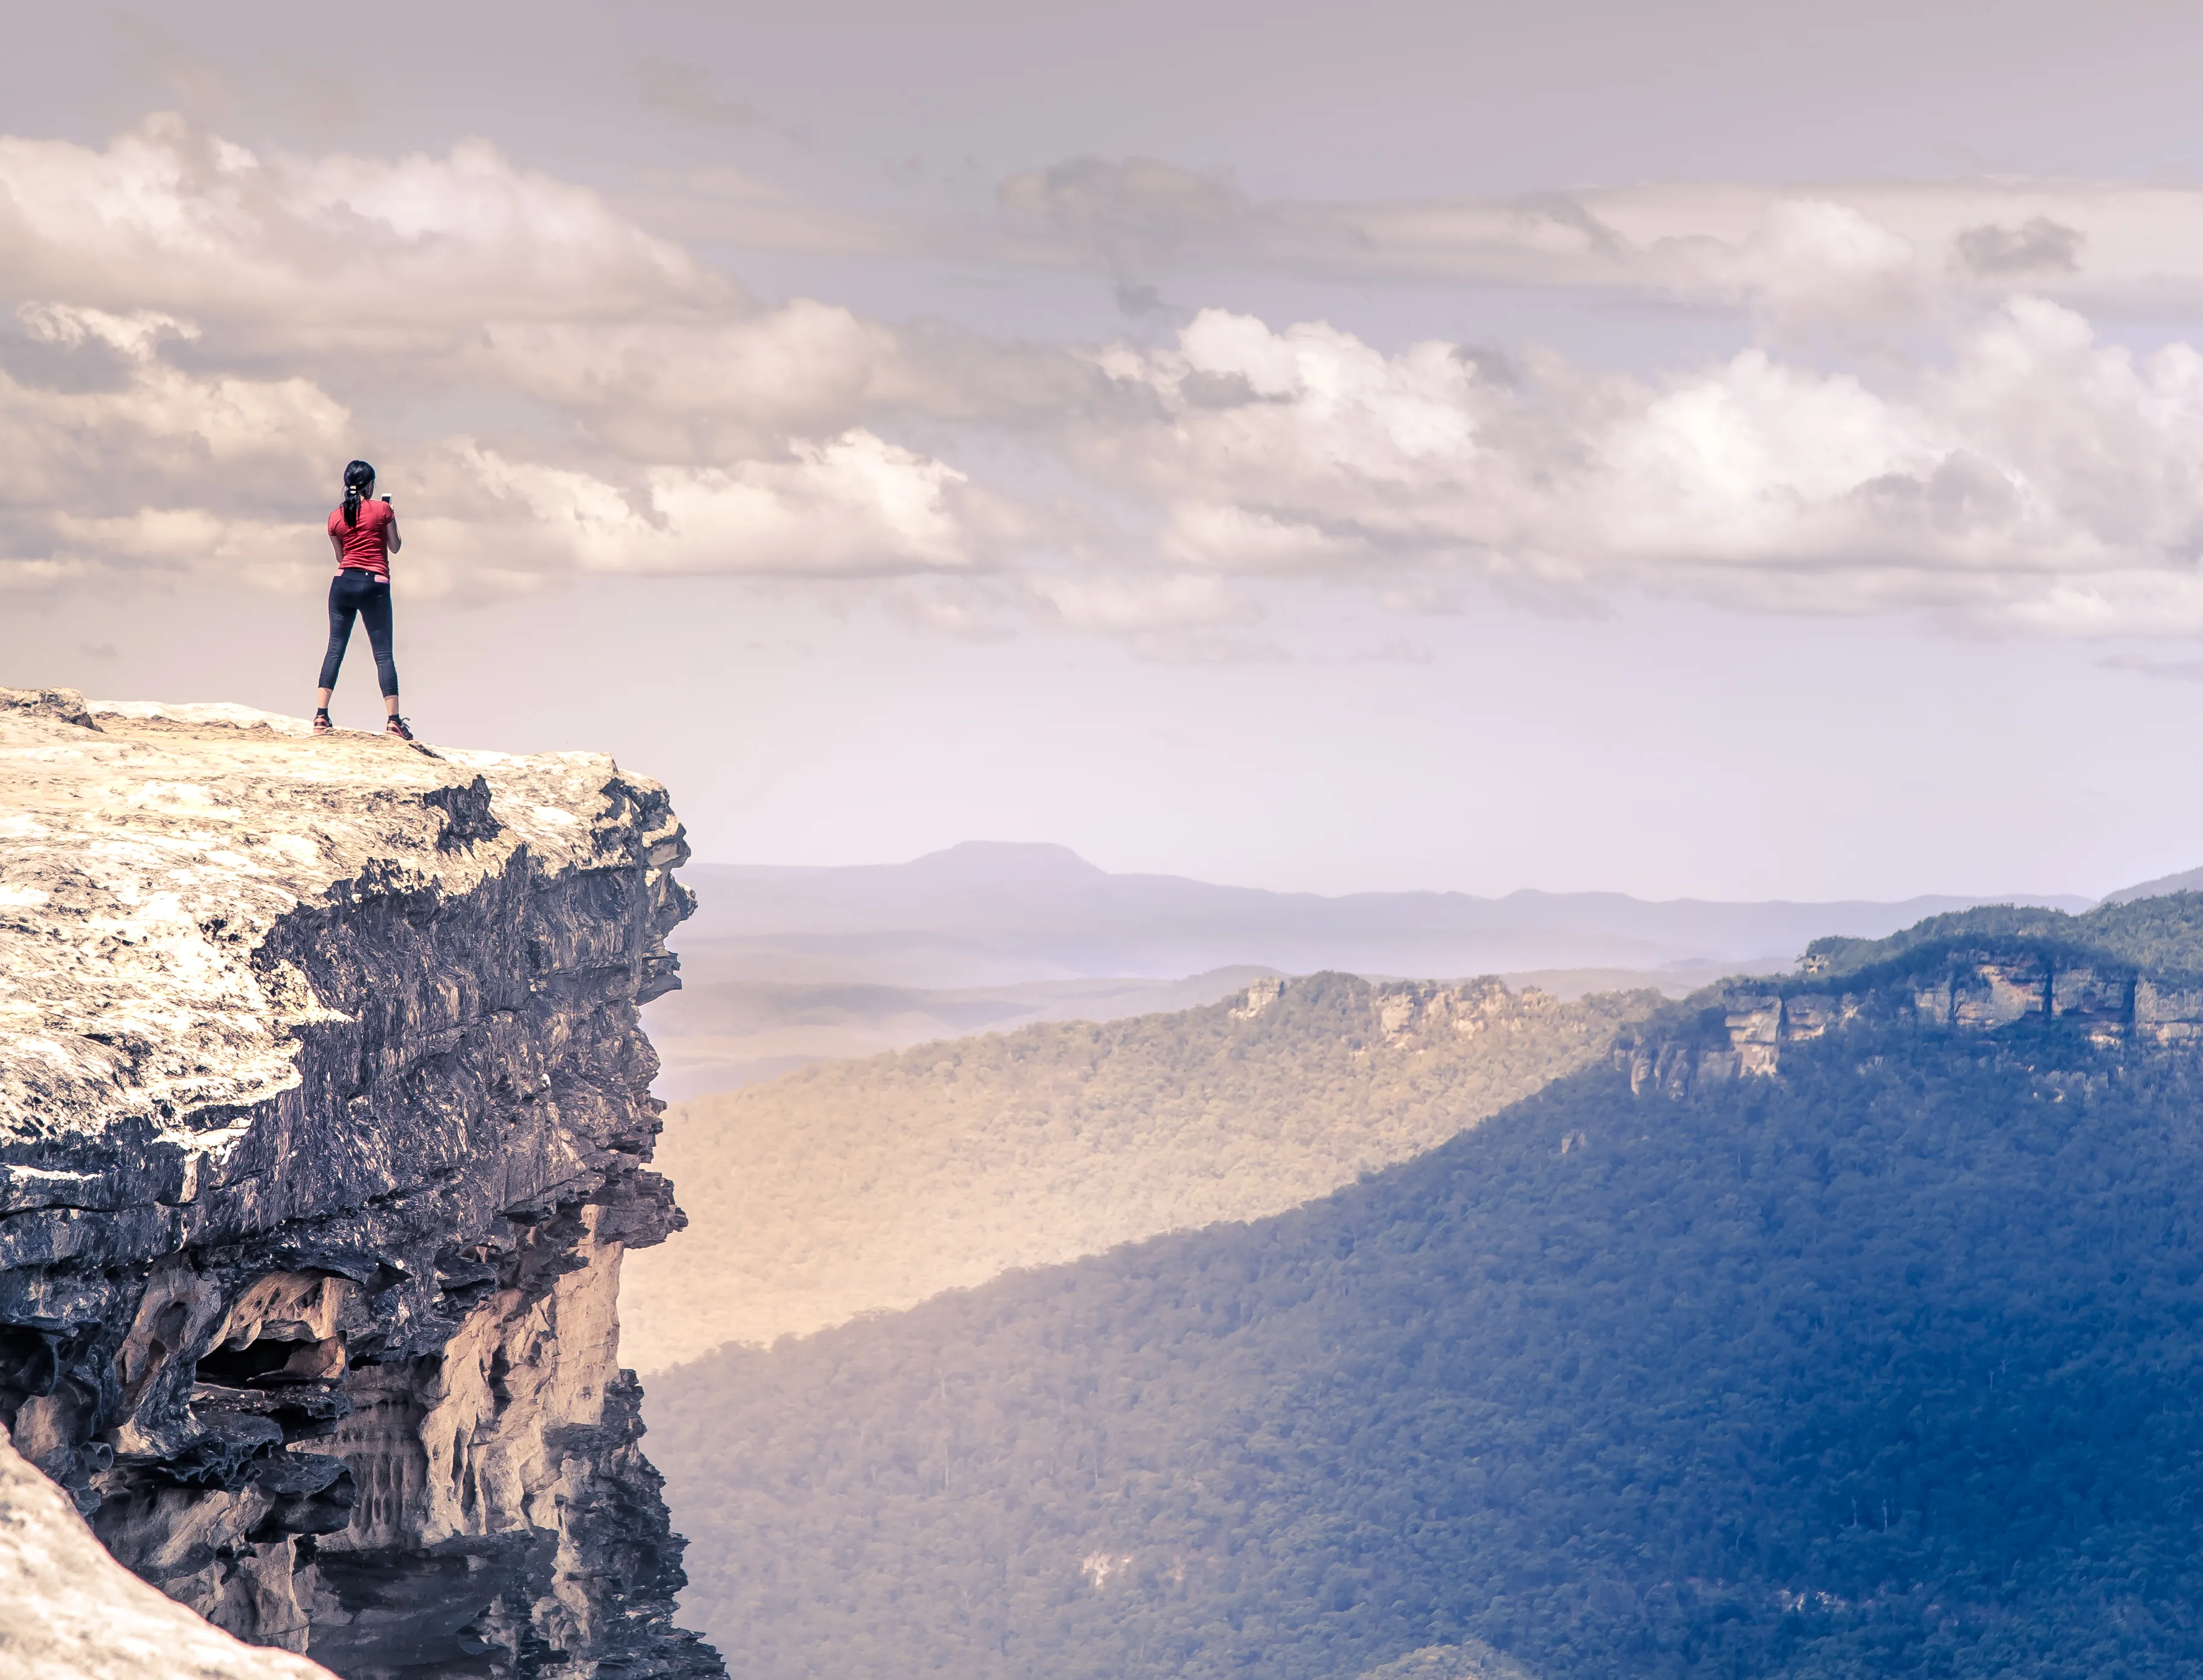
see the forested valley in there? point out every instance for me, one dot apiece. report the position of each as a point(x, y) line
point(868, 1185)
point(1886, 1365)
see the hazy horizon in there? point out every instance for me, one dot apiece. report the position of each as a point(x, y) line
point(783, 965)
point(2017, 895)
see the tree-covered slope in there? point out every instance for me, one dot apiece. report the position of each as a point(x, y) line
point(869, 1184)
point(1888, 1366)
point(2162, 935)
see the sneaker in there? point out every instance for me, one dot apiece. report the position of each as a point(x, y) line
point(321, 724)
point(397, 726)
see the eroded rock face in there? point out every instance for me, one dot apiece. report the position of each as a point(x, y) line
point(323, 1126)
point(1952, 985)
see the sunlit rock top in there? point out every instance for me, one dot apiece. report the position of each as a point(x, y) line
point(146, 850)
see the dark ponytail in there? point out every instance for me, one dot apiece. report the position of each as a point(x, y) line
point(357, 477)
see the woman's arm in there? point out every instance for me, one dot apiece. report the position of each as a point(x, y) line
point(336, 547)
point(396, 542)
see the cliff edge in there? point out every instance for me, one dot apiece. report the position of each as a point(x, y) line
point(324, 1120)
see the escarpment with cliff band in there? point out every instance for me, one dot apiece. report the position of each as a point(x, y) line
point(324, 1124)
point(2124, 975)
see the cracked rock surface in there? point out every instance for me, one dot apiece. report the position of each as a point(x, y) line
point(324, 1124)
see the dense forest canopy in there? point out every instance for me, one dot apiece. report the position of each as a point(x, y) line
point(1886, 1366)
point(2163, 936)
point(864, 1185)
point(1470, 1659)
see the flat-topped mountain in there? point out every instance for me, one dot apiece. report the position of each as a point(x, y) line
point(324, 1128)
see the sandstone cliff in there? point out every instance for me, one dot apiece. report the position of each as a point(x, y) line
point(68, 1612)
point(1967, 982)
point(323, 1126)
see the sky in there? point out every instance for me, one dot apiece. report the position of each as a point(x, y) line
point(1694, 449)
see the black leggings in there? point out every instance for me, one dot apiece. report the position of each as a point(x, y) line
point(354, 591)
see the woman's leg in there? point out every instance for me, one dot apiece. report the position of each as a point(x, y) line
point(374, 613)
point(341, 609)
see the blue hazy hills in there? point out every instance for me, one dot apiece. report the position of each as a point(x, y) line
point(994, 913)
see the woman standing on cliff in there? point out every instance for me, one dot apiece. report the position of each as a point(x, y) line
point(363, 532)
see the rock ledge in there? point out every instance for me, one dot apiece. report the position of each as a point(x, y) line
point(323, 1126)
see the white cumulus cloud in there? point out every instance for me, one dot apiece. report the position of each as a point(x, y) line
point(1926, 418)
point(322, 253)
point(852, 505)
point(2041, 479)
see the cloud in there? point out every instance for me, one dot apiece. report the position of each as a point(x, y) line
point(658, 419)
point(1812, 262)
point(205, 334)
point(120, 476)
point(2036, 246)
point(2043, 481)
point(239, 549)
point(1131, 215)
point(323, 253)
point(849, 506)
point(1865, 256)
point(135, 335)
point(700, 388)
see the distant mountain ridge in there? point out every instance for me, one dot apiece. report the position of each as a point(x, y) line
point(995, 913)
point(2188, 880)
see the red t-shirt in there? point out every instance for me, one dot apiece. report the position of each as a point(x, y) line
point(366, 545)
